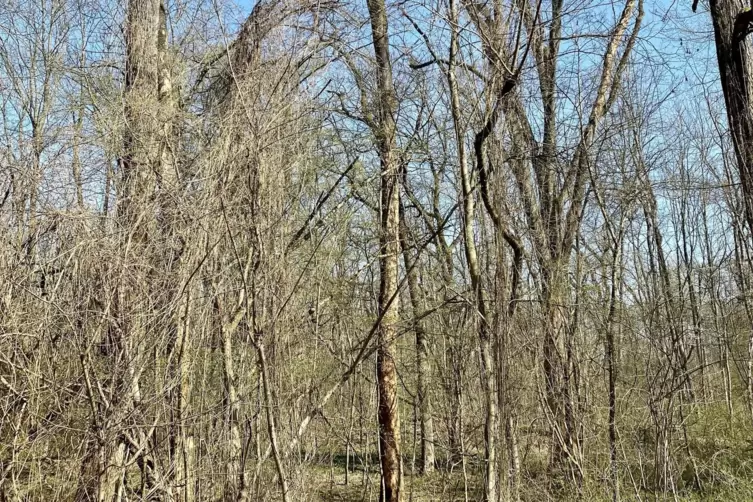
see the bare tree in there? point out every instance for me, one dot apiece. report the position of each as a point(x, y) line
point(384, 131)
point(731, 20)
point(238, 239)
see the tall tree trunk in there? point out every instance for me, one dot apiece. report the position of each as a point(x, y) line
point(484, 331)
point(271, 420)
point(508, 371)
point(614, 277)
point(389, 240)
point(140, 152)
point(731, 20)
point(452, 350)
point(236, 482)
point(423, 368)
point(174, 264)
point(181, 442)
point(491, 412)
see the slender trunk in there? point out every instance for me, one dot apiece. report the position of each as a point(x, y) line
point(513, 452)
point(454, 428)
point(36, 177)
point(181, 442)
point(471, 255)
point(78, 122)
point(484, 331)
point(106, 197)
point(507, 374)
point(389, 240)
point(453, 369)
point(423, 368)
point(612, 370)
point(271, 421)
point(688, 259)
point(236, 481)
point(720, 324)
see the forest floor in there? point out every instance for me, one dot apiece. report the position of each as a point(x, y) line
point(434, 487)
point(329, 484)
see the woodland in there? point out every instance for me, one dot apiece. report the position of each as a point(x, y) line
point(376, 250)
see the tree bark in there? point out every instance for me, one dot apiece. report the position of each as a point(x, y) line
point(484, 331)
point(732, 23)
point(423, 368)
point(140, 149)
point(384, 131)
point(236, 482)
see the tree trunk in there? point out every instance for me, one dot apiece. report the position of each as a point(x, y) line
point(423, 368)
point(612, 368)
point(491, 412)
point(389, 240)
point(236, 482)
point(556, 371)
point(484, 331)
point(139, 153)
point(731, 21)
point(181, 442)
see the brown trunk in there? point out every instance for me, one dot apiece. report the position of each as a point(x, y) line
point(488, 378)
point(484, 331)
point(612, 370)
point(556, 374)
point(732, 20)
point(423, 368)
point(236, 482)
point(384, 131)
point(137, 163)
point(731, 26)
point(78, 123)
